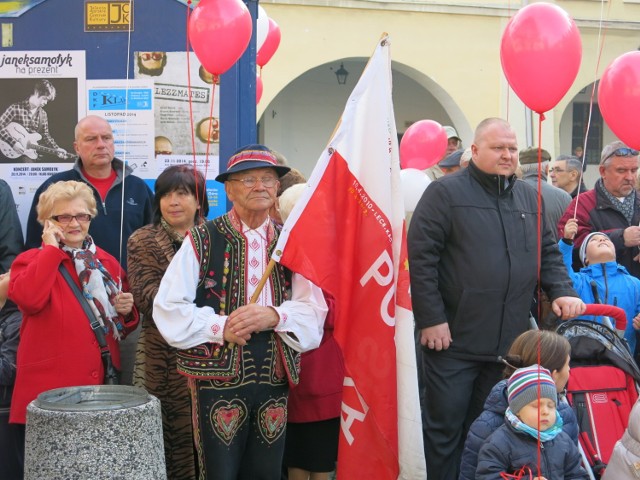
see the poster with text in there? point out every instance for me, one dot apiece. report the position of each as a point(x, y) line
point(128, 107)
point(41, 100)
point(186, 132)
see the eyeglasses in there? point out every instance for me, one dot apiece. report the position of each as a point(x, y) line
point(66, 219)
point(622, 152)
point(152, 56)
point(250, 182)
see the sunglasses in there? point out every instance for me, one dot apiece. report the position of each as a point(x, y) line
point(622, 152)
point(152, 56)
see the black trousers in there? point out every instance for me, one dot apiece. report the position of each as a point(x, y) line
point(239, 425)
point(11, 448)
point(455, 392)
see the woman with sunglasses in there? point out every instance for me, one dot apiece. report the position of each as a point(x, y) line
point(58, 347)
point(612, 206)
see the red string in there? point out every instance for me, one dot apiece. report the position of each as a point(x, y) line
point(518, 474)
point(539, 275)
point(193, 138)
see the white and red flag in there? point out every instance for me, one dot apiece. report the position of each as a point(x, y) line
point(346, 234)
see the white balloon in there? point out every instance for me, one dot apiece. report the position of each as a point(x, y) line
point(414, 183)
point(262, 28)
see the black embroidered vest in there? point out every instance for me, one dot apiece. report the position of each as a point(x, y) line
point(213, 242)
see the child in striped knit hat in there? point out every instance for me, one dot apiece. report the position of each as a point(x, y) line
point(531, 417)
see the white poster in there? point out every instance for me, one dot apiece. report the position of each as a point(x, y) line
point(186, 132)
point(41, 100)
point(128, 107)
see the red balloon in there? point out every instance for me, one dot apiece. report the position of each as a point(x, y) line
point(219, 32)
point(270, 45)
point(423, 145)
point(540, 53)
point(619, 97)
point(258, 88)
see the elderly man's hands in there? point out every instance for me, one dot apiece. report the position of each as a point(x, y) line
point(568, 307)
point(248, 319)
point(631, 236)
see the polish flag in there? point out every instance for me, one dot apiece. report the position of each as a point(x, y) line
point(347, 235)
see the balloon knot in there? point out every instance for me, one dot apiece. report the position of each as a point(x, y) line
point(542, 117)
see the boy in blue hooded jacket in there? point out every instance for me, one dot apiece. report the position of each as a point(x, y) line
point(602, 279)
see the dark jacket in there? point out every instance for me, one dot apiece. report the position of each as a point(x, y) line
point(492, 418)
point(10, 320)
point(508, 450)
point(105, 228)
point(595, 213)
point(11, 242)
point(472, 255)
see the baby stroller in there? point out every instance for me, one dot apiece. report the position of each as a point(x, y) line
point(603, 385)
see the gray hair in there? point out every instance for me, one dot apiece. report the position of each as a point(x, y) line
point(533, 168)
point(608, 150)
point(466, 155)
point(573, 163)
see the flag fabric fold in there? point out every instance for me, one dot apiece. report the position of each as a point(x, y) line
point(346, 234)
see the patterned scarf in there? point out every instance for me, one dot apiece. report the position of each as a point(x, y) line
point(626, 207)
point(98, 286)
point(545, 436)
point(176, 237)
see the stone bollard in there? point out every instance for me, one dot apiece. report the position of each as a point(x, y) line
point(94, 432)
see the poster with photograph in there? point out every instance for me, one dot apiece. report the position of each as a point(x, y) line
point(185, 132)
point(41, 100)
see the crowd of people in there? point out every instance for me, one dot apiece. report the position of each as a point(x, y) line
point(249, 376)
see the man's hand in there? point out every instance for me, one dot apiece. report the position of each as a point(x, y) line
point(636, 322)
point(20, 150)
point(249, 319)
point(568, 307)
point(437, 337)
point(570, 229)
point(631, 236)
point(61, 152)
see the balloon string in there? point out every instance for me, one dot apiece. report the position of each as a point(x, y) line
point(216, 80)
point(508, 85)
point(539, 276)
point(602, 35)
point(190, 103)
point(124, 153)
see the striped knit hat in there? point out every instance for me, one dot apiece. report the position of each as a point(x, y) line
point(522, 387)
point(250, 157)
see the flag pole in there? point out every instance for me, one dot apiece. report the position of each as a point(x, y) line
point(254, 298)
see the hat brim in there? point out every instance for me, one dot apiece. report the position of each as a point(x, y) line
point(241, 167)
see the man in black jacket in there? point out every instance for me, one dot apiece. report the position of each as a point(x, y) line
point(473, 259)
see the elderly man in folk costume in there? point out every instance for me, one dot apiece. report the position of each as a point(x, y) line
point(239, 345)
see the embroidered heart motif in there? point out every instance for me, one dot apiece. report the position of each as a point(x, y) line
point(273, 419)
point(227, 418)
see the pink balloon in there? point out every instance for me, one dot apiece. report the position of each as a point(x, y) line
point(540, 53)
point(258, 88)
point(219, 32)
point(423, 145)
point(619, 97)
point(270, 45)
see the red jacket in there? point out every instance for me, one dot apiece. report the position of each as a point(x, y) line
point(57, 346)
